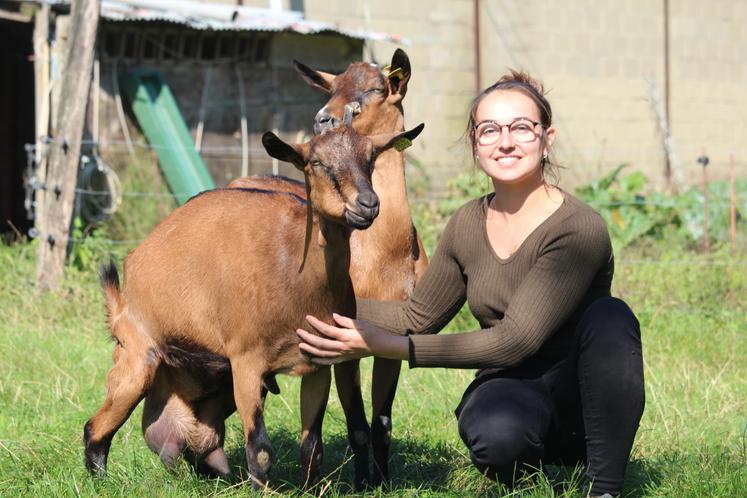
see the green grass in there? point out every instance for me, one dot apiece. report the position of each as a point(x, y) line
point(55, 353)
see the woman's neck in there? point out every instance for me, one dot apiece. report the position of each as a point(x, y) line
point(512, 199)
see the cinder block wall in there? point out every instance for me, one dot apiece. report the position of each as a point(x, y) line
point(443, 69)
point(604, 64)
point(602, 60)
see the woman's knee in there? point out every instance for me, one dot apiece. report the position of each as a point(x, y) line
point(609, 320)
point(499, 440)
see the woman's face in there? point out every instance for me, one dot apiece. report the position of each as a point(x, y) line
point(513, 157)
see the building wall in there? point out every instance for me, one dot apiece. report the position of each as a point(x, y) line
point(602, 61)
point(604, 64)
point(275, 97)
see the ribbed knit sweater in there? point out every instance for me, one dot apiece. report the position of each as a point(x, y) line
point(528, 305)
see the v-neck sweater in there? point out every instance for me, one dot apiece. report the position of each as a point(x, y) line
point(527, 305)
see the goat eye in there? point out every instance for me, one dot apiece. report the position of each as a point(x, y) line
point(377, 91)
point(316, 163)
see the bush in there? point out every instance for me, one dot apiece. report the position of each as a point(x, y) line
point(633, 216)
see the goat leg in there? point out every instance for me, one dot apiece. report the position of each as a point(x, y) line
point(348, 382)
point(247, 391)
point(314, 396)
point(383, 389)
point(132, 375)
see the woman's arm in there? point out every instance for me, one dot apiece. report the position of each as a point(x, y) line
point(353, 339)
point(436, 299)
point(548, 295)
point(381, 326)
point(554, 288)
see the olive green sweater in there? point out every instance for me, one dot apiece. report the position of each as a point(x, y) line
point(527, 305)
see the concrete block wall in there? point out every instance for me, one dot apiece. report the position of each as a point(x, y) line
point(443, 63)
point(604, 60)
point(601, 60)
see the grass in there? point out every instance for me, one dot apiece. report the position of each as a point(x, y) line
point(55, 354)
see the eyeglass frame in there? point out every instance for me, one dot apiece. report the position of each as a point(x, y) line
point(500, 130)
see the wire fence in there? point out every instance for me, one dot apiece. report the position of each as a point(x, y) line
point(732, 313)
point(34, 184)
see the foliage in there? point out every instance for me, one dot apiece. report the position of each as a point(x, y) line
point(632, 215)
point(147, 200)
point(88, 247)
point(463, 187)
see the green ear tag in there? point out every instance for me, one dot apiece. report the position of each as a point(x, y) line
point(396, 72)
point(402, 143)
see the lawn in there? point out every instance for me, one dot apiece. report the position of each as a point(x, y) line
point(55, 354)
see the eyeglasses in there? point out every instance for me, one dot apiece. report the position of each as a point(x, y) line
point(521, 130)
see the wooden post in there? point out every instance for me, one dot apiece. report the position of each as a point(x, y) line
point(733, 206)
point(41, 100)
point(703, 161)
point(64, 152)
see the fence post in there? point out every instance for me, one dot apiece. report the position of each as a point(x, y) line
point(733, 206)
point(64, 152)
point(703, 161)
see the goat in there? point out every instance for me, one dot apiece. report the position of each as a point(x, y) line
point(386, 261)
point(215, 292)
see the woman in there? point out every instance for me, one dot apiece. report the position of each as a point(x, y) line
point(560, 369)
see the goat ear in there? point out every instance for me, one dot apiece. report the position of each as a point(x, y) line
point(399, 141)
point(399, 75)
point(318, 79)
point(295, 154)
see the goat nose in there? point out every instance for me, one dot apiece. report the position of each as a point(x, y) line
point(369, 201)
point(324, 122)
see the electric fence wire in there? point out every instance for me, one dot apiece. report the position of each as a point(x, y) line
point(257, 150)
point(34, 184)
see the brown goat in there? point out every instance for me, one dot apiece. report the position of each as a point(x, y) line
point(386, 261)
point(388, 258)
point(215, 291)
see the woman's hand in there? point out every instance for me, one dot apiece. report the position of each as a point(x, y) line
point(350, 340)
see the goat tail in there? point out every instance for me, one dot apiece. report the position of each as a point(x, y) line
point(109, 279)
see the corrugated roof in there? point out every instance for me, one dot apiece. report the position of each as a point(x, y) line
point(219, 17)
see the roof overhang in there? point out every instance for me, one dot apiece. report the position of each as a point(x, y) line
point(225, 17)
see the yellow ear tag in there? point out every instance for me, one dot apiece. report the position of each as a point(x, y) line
point(394, 73)
point(402, 143)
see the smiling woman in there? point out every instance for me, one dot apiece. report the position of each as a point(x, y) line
point(560, 377)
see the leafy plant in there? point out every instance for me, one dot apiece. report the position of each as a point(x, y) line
point(89, 247)
point(632, 215)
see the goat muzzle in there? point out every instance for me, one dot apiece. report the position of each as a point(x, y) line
point(324, 121)
point(365, 210)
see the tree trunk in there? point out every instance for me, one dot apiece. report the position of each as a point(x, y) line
point(64, 153)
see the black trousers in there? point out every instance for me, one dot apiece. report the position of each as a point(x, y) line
point(585, 409)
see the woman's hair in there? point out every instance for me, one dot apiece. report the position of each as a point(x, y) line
point(521, 82)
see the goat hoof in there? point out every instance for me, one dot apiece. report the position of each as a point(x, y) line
point(363, 484)
point(259, 482)
point(96, 452)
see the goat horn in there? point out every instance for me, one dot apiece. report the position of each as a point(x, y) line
point(351, 109)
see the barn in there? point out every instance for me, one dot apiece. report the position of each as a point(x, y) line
point(187, 84)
